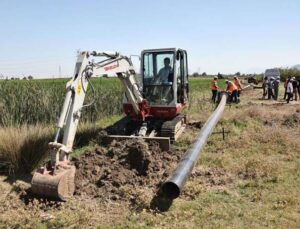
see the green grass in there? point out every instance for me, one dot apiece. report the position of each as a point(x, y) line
point(250, 180)
point(253, 178)
point(35, 106)
point(40, 101)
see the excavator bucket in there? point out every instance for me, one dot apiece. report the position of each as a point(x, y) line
point(59, 184)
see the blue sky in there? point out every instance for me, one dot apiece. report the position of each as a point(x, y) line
point(220, 36)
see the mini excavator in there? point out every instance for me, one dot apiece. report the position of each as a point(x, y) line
point(153, 109)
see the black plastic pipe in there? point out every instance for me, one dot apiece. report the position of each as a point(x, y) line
point(174, 184)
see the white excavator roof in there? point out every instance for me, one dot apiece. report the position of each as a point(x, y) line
point(160, 50)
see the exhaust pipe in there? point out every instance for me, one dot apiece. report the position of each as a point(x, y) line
point(174, 184)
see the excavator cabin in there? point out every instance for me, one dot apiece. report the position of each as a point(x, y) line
point(164, 79)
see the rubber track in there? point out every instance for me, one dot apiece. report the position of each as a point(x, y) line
point(168, 127)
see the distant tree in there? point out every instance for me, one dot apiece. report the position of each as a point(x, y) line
point(30, 77)
point(238, 74)
point(289, 72)
point(204, 74)
point(105, 75)
point(24, 78)
point(195, 74)
point(12, 78)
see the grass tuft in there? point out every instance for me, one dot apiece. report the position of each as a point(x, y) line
point(23, 148)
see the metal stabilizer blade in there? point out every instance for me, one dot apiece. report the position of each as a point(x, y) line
point(164, 142)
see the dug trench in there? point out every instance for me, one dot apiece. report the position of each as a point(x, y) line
point(128, 173)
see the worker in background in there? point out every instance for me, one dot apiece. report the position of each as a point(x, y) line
point(295, 88)
point(264, 86)
point(299, 87)
point(270, 88)
point(214, 88)
point(237, 83)
point(285, 86)
point(232, 91)
point(276, 84)
point(289, 90)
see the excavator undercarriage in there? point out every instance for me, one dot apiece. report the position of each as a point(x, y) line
point(162, 131)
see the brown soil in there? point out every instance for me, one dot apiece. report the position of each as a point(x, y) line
point(127, 171)
point(292, 120)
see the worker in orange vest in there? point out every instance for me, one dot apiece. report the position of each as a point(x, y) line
point(232, 91)
point(238, 84)
point(214, 88)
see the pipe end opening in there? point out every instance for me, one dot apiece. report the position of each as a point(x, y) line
point(171, 190)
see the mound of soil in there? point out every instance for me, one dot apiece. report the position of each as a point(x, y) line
point(129, 170)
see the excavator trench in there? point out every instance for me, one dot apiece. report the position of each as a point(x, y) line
point(123, 171)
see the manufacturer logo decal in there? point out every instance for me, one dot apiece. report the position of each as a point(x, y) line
point(107, 68)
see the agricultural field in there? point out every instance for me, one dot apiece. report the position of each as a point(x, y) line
point(249, 180)
point(40, 101)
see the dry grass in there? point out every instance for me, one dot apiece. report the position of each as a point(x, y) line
point(21, 149)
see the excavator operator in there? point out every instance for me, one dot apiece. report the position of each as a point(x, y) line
point(163, 81)
point(165, 74)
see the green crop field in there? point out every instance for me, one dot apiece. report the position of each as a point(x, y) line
point(40, 101)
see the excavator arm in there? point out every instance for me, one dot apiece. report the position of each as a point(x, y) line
point(123, 68)
point(56, 178)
